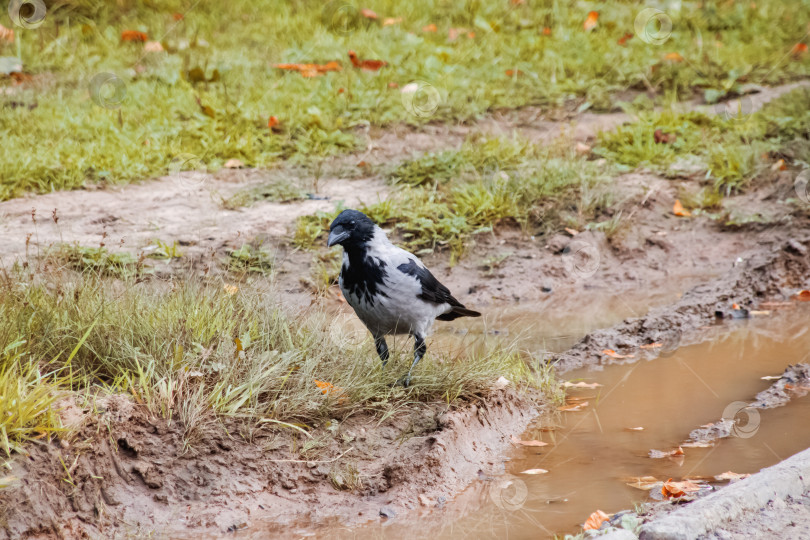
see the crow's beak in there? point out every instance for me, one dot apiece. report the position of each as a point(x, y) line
point(336, 236)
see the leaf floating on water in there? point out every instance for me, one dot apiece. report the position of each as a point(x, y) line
point(674, 490)
point(517, 441)
point(573, 407)
point(534, 471)
point(728, 475)
point(651, 346)
point(596, 519)
point(698, 444)
point(581, 384)
point(771, 377)
point(639, 428)
point(658, 454)
point(645, 483)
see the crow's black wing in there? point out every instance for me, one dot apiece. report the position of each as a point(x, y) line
point(433, 291)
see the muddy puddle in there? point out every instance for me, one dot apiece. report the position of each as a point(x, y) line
point(592, 452)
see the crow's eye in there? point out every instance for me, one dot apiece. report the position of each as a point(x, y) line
point(353, 222)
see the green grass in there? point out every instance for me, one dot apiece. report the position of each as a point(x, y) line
point(192, 350)
point(729, 151)
point(211, 93)
point(443, 200)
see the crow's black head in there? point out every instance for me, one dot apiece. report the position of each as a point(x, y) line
point(350, 229)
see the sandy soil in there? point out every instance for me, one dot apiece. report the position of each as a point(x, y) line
point(128, 472)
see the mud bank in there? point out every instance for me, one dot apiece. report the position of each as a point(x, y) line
point(126, 472)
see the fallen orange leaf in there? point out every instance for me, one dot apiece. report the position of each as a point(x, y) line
point(581, 384)
point(658, 454)
point(546, 31)
point(133, 35)
point(368, 65)
point(651, 346)
point(803, 295)
point(679, 210)
point(430, 28)
point(613, 354)
point(517, 441)
point(596, 519)
point(642, 482)
point(392, 84)
point(728, 475)
point(272, 122)
point(311, 70)
point(798, 49)
point(673, 57)
point(672, 490)
point(512, 72)
point(368, 14)
point(392, 21)
point(779, 165)
point(573, 407)
point(623, 40)
point(590, 22)
point(661, 137)
point(177, 16)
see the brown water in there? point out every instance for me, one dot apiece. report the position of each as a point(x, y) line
point(591, 452)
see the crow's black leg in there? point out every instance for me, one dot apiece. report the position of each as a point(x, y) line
point(419, 350)
point(382, 349)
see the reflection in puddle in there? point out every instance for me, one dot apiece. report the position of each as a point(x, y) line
point(591, 452)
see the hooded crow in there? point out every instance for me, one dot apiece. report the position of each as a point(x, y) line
point(390, 289)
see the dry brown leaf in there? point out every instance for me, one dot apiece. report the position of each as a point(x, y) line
point(623, 40)
point(368, 65)
point(590, 22)
point(311, 70)
point(674, 490)
point(642, 482)
point(658, 454)
point(581, 384)
point(802, 296)
point(582, 149)
point(546, 31)
point(517, 441)
point(673, 57)
point(572, 232)
point(573, 407)
point(728, 475)
point(133, 35)
point(368, 14)
point(779, 165)
point(697, 444)
point(430, 28)
point(534, 471)
point(679, 210)
point(798, 49)
point(661, 137)
point(596, 519)
point(613, 354)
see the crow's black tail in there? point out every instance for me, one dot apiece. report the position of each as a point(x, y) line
point(456, 312)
